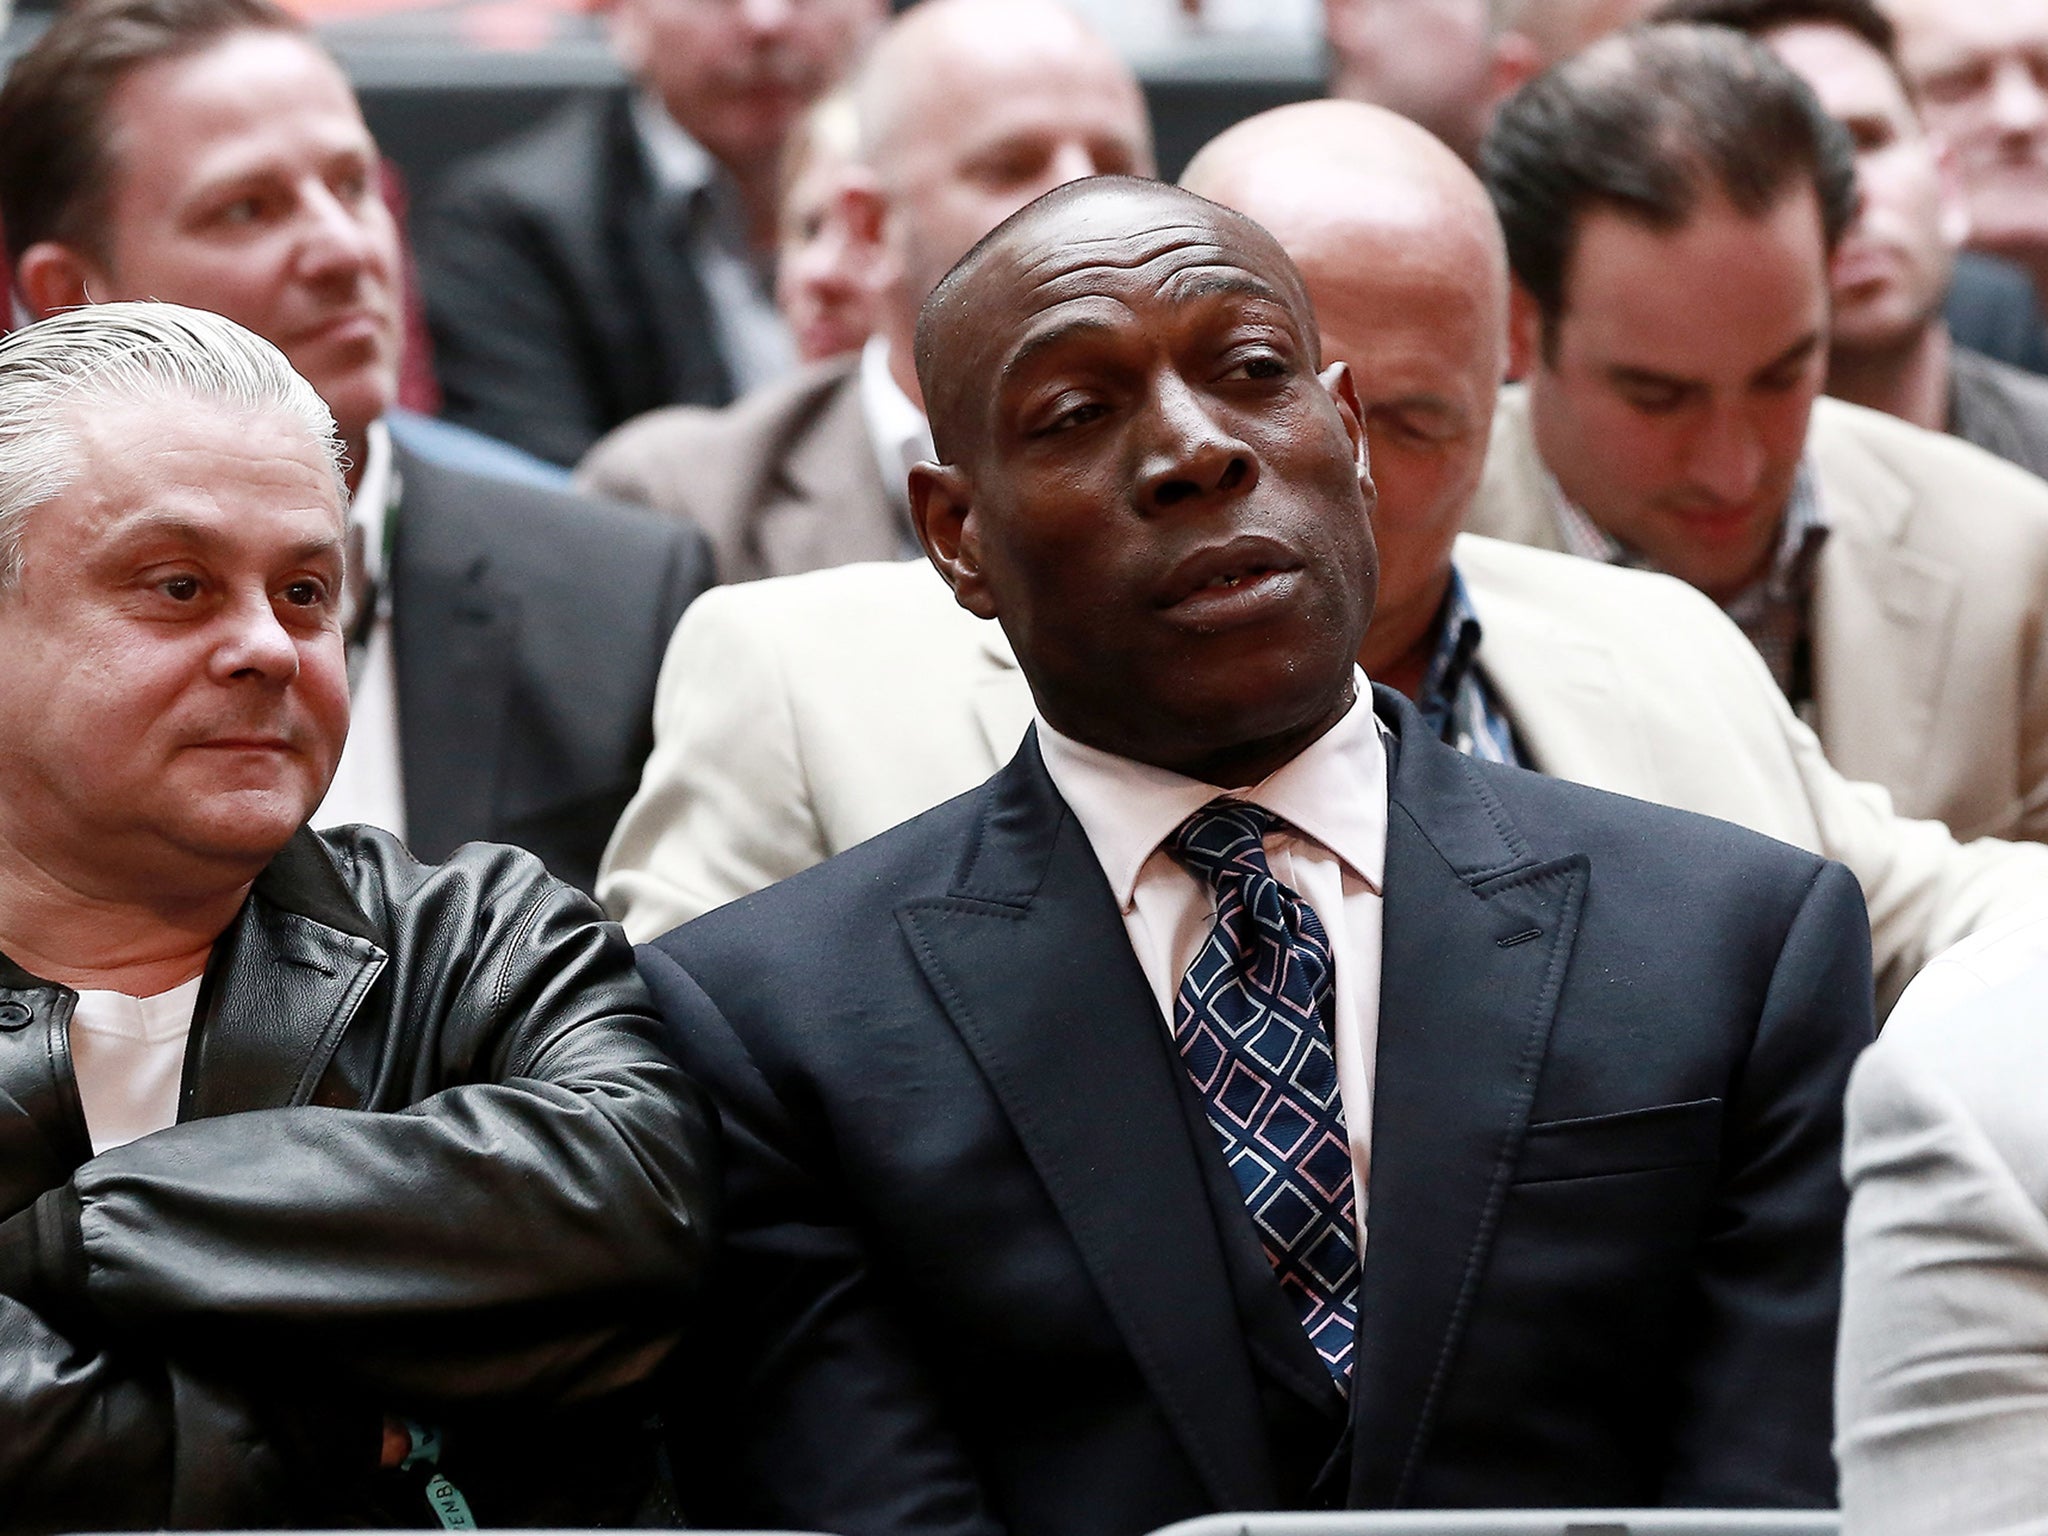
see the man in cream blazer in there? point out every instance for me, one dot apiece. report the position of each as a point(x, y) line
point(1930, 609)
point(1941, 1392)
point(1671, 200)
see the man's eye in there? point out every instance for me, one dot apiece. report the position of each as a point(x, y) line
point(306, 593)
point(1259, 365)
point(179, 589)
point(1076, 416)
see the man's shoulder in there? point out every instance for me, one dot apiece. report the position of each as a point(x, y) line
point(843, 907)
point(681, 446)
point(532, 524)
point(1574, 593)
point(878, 617)
point(1872, 466)
point(363, 880)
point(545, 167)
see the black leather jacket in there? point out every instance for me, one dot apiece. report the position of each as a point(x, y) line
point(206, 1327)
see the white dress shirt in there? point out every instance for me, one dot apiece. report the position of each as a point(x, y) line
point(751, 334)
point(128, 1055)
point(369, 784)
point(1332, 853)
point(899, 431)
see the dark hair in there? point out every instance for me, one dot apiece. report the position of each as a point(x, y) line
point(1758, 18)
point(55, 171)
point(1646, 124)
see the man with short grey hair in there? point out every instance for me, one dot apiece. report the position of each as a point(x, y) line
point(314, 1160)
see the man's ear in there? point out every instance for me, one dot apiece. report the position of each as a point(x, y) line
point(1525, 331)
point(51, 276)
point(1342, 388)
point(942, 513)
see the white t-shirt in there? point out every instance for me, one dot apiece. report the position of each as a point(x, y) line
point(129, 1057)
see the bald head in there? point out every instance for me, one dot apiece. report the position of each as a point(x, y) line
point(967, 110)
point(966, 324)
point(1404, 262)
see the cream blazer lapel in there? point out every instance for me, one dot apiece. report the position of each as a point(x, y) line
point(1884, 616)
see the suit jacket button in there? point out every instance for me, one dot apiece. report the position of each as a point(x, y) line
point(14, 1015)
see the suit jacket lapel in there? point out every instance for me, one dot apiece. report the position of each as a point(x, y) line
point(833, 509)
point(454, 635)
point(283, 984)
point(1891, 608)
point(1029, 958)
point(1477, 937)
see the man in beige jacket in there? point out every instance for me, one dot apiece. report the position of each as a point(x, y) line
point(800, 716)
point(1670, 200)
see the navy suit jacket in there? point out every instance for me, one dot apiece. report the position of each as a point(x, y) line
point(988, 1272)
point(529, 626)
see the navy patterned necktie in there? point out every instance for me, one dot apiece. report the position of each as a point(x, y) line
point(1252, 1021)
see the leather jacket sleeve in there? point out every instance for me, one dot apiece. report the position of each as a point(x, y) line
point(527, 1219)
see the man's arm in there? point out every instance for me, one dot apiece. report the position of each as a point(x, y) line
point(825, 1420)
point(1752, 1405)
point(1925, 890)
point(1942, 1374)
point(724, 805)
point(536, 1230)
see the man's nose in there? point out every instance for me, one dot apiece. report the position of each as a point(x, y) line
point(2018, 103)
point(1192, 456)
point(1071, 161)
point(1727, 457)
point(767, 18)
point(253, 643)
point(338, 235)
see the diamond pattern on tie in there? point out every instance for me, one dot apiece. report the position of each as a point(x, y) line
point(1252, 1023)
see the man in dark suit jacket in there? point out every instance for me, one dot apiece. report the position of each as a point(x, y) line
point(990, 1266)
point(508, 650)
point(616, 257)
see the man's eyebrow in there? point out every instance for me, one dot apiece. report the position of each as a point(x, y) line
point(1625, 373)
point(1799, 351)
point(1210, 284)
point(173, 525)
point(1052, 336)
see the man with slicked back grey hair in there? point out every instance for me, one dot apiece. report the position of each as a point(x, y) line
point(314, 1159)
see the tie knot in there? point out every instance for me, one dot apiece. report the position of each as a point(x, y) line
point(1224, 842)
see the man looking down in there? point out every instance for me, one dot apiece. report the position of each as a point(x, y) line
point(329, 1181)
point(1054, 1118)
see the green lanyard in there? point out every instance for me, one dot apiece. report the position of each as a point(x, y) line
point(443, 1497)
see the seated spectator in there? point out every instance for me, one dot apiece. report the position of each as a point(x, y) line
point(1005, 1109)
point(1941, 1395)
point(968, 110)
point(800, 716)
point(1889, 345)
point(1672, 198)
point(824, 279)
point(505, 639)
point(1432, 61)
point(1981, 69)
point(619, 256)
point(337, 1189)
point(1448, 64)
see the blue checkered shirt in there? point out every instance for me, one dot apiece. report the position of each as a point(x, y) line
point(1456, 701)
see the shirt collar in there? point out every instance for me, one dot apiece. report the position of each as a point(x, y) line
point(371, 504)
point(898, 429)
point(1333, 791)
point(681, 166)
point(1804, 529)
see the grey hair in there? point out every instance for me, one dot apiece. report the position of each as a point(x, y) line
point(129, 353)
